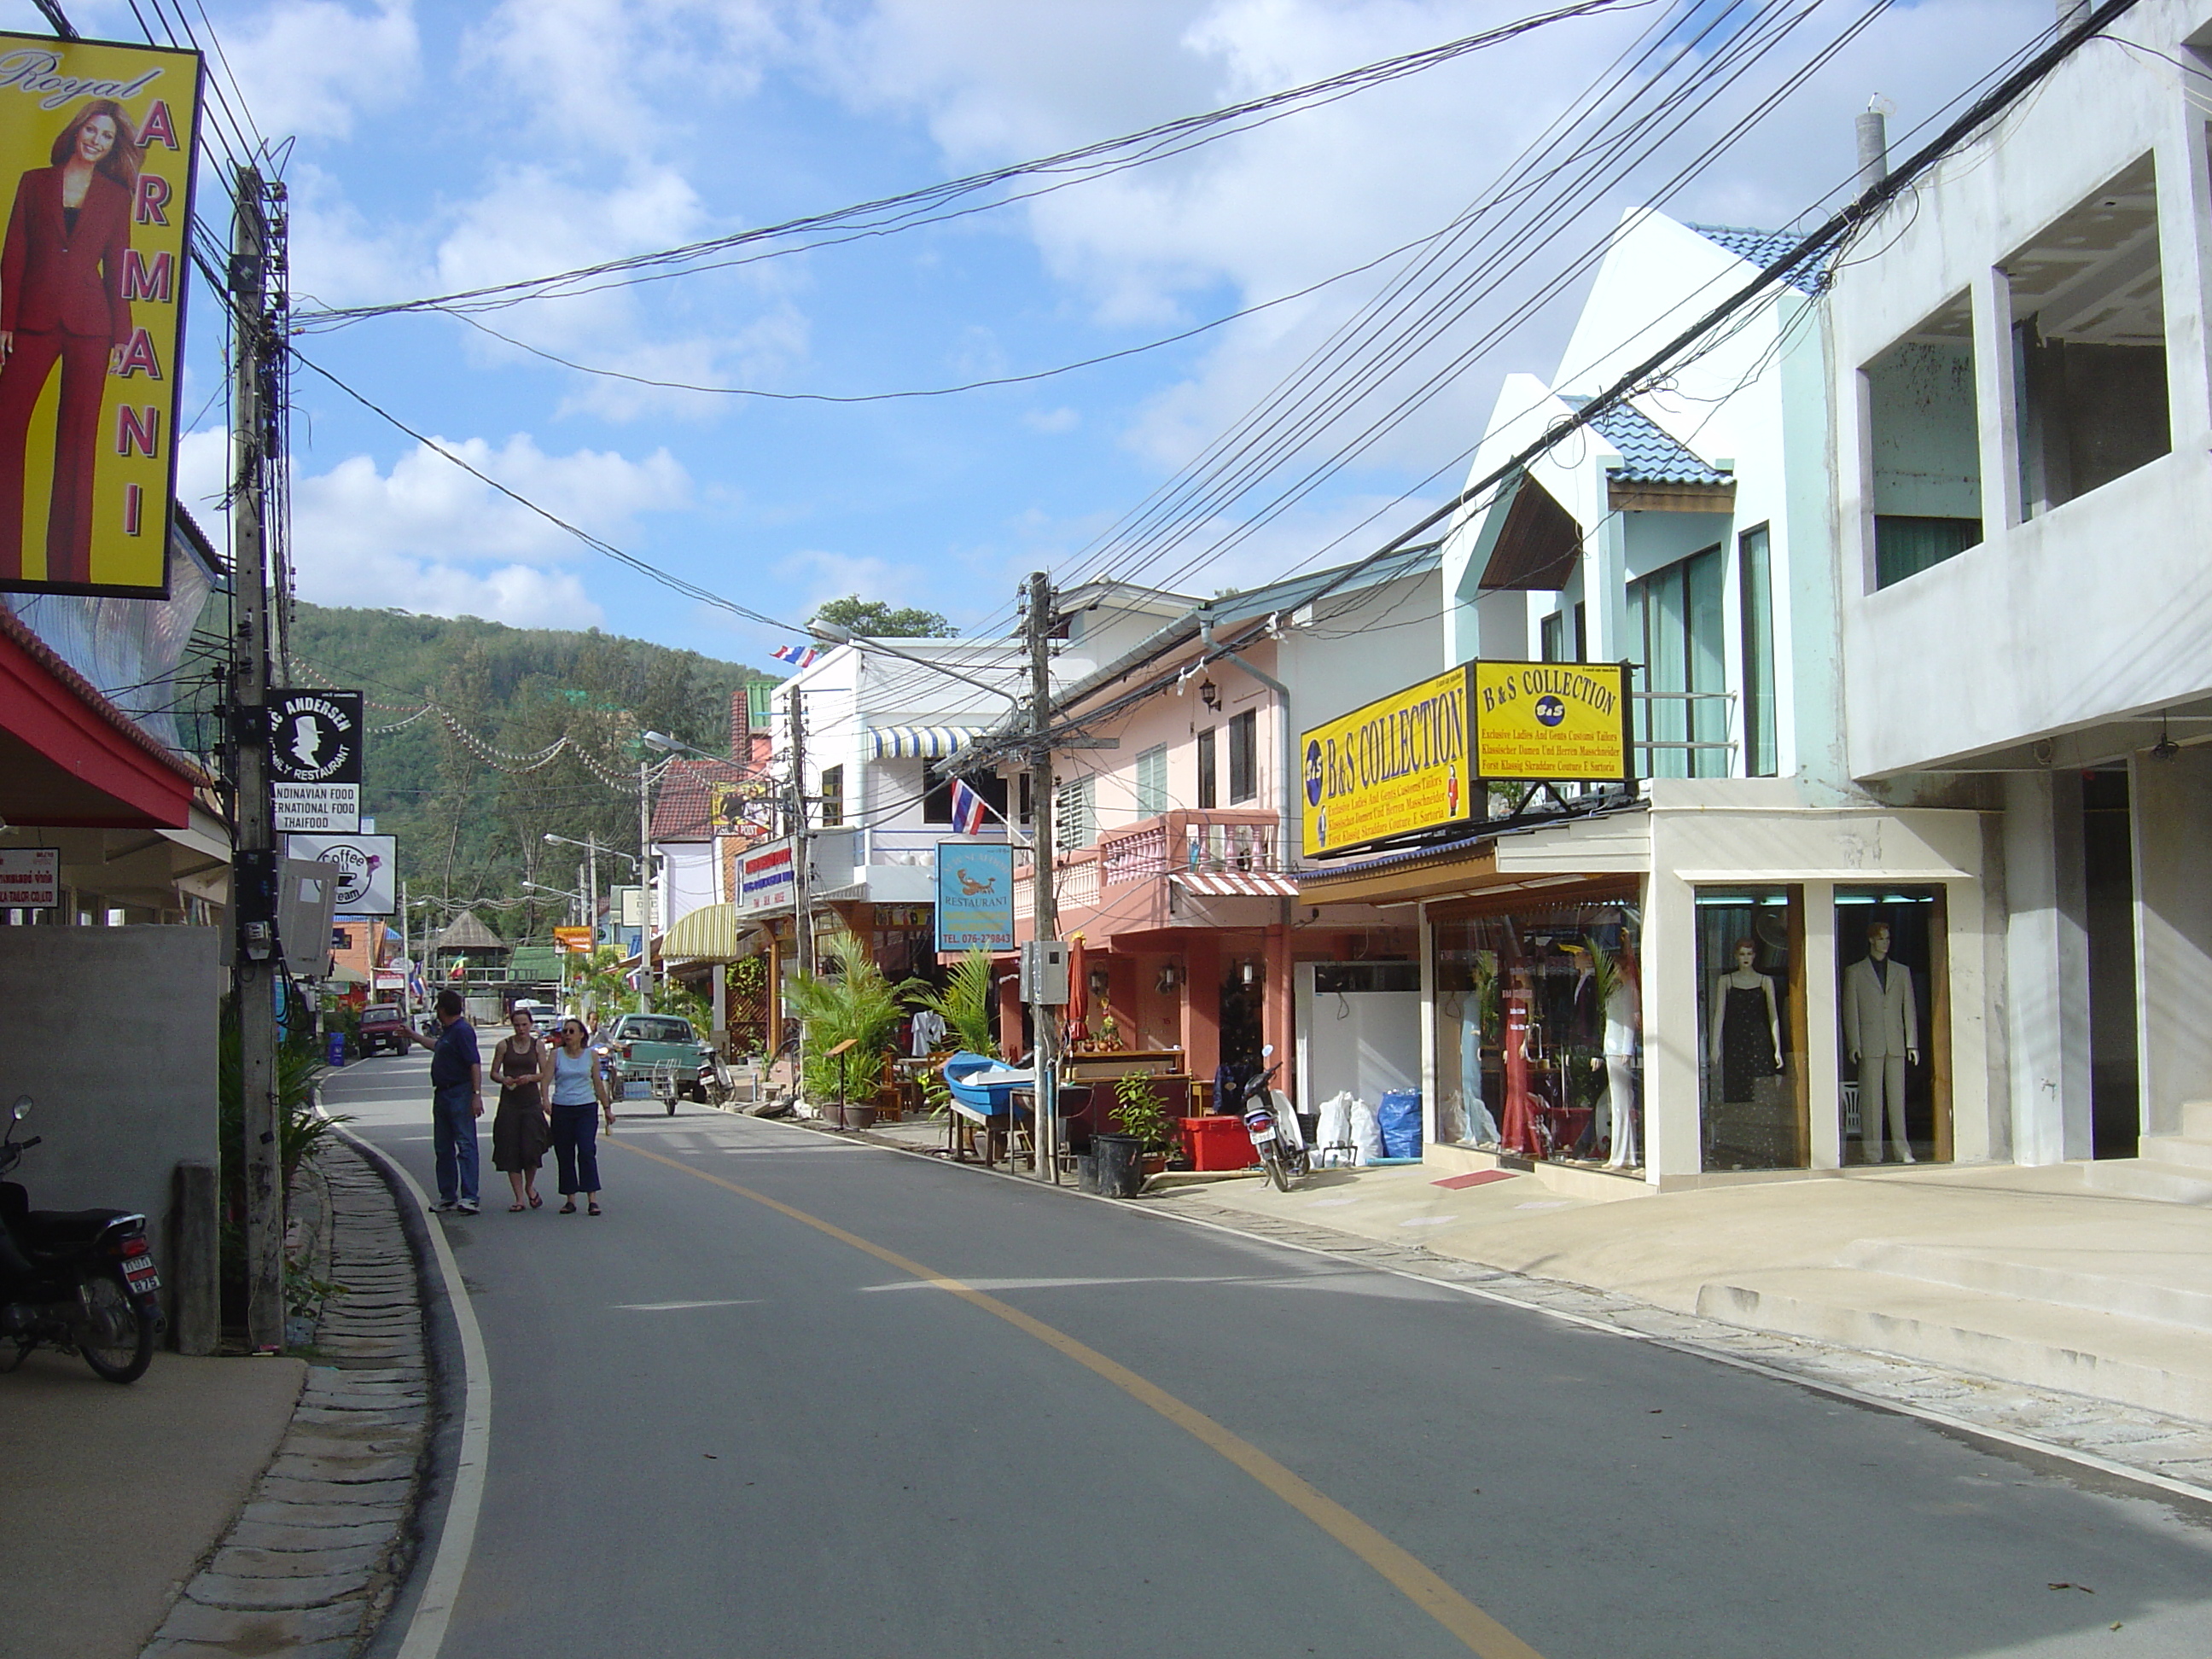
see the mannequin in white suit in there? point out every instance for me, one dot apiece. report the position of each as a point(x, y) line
point(1881, 1030)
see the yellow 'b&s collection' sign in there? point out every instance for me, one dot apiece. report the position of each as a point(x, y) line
point(96, 147)
point(1552, 722)
point(1417, 759)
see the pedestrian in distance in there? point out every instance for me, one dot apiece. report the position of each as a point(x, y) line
point(456, 1102)
point(521, 1126)
point(580, 1094)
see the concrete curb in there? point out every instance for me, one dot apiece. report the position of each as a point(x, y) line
point(311, 1564)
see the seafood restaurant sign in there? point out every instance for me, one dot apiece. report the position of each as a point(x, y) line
point(1418, 759)
point(974, 895)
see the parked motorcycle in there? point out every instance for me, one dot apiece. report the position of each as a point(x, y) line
point(79, 1280)
point(1278, 1138)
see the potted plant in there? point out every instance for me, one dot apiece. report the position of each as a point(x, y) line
point(850, 1000)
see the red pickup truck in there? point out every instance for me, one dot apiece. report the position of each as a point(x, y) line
point(381, 1027)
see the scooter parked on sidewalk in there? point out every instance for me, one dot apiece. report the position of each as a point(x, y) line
point(80, 1281)
point(1277, 1137)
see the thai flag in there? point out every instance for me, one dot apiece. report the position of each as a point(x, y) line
point(798, 656)
point(416, 988)
point(967, 809)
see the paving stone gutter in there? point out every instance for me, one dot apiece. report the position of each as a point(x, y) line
point(312, 1562)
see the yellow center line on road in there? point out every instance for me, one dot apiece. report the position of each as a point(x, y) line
point(1481, 1633)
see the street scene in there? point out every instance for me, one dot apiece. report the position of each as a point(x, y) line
point(1382, 831)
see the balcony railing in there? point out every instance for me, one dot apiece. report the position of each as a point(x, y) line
point(1203, 839)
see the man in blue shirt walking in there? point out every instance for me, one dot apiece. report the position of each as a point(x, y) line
point(457, 1101)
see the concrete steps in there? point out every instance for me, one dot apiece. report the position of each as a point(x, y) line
point(2162, 1288)
point(2162, 1365)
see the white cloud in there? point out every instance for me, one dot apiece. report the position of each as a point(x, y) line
point(308, 67)
point(1062, 419)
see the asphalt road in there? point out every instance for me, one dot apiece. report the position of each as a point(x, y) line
point(719, 1430)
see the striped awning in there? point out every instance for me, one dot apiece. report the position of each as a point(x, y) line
point(714, 932)
point(921, 742)
point(1236, 884)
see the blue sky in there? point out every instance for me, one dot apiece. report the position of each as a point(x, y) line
point(440, 146)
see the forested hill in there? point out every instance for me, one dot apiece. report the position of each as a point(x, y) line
point(471, 820)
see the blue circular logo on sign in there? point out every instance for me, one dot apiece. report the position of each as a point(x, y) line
point(1313, 773)
point(1550, 711)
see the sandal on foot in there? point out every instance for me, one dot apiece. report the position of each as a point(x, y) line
point(592, 1210)
point(516, 1209)
point(569, 1208)
point(535, 1202)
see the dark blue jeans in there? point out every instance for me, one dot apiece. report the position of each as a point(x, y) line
point(576, 1148)
point(456, 1135)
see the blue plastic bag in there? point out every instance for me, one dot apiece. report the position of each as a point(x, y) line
point(1400, 1119)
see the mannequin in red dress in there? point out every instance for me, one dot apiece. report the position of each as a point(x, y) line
point(60, 300)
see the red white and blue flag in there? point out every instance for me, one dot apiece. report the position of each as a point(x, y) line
point(798, 656)
point(967, 809)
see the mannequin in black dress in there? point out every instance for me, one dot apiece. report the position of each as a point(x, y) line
point(1747, 1035)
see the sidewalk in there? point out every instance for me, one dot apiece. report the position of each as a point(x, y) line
point(2029, 1276)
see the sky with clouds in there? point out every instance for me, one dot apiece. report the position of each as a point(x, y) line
point(444, 145)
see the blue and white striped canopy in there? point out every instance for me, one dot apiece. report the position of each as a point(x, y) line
point(921, 742)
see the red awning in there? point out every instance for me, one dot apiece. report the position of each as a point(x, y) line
point(1236, 884)
point(70, 757)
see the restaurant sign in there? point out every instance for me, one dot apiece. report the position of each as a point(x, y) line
point(1417, 759)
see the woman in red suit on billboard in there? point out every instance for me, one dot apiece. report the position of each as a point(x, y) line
point(61, 300)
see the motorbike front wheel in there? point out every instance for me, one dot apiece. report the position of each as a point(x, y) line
point(115, 1338)
point(1271, 1157)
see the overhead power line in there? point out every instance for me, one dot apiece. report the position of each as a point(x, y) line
point(890, 214)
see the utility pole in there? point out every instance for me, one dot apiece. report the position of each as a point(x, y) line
point(257, 980)
point(645, 883)
point(801, 874)
point(1044, 903)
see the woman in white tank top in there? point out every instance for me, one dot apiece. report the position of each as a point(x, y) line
point(580, 1094)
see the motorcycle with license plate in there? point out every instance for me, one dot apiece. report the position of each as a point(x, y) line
point(80, 1281)
point(1277, 1137)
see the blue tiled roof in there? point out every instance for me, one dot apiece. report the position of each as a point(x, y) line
point(1648, 455)
point(1764, 247)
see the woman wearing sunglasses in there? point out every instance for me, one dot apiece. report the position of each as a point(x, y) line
point(579, 1094)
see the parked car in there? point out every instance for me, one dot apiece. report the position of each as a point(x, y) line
point(383, 1030)
point(635, 1047)
point(544, 1013)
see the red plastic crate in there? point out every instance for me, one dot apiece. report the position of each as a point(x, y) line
point(1218, 1143)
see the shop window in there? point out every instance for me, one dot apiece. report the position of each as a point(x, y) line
point(1538, 1030)
point(1923, 438)
point(937, 792)
point(1207, 791)
point(1893, 1008)
point(1244, 756)
point(1677, 615)
point(833, 797)
point(1074, 825)
point(1755, 1104)
point(2088, 315)
point(1754, 560)
point(1153, 781)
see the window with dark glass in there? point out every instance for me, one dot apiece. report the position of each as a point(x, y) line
point(1756, 569)
point(1244, 756)
point(937, 777)
point(1153, 781)
point(1676, 615)
point(1207, 789)
point(833, 797)
point(1924, 436)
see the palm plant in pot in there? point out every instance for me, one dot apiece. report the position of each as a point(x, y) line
point(965, 1006)
point(848, 999)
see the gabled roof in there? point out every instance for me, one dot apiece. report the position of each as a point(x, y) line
point(467, 932)
point(1763, 247)
point(683, 809)
point(1648, 454)
point(1254, 603)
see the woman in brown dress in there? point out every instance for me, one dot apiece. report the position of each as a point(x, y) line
point(521, 1129)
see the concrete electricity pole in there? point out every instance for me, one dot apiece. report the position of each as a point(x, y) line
point(645, 883)
point(801, 873)
point(1044, 903)
point(258, 972)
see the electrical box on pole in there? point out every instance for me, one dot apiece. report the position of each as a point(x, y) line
point(1044, 973)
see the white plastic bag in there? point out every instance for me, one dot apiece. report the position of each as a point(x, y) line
point(1334, 1135)
point(1366, 1132)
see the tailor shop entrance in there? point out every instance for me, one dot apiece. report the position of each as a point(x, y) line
point(1538, 1023)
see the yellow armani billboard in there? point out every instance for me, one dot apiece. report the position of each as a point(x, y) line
point(1395, 766)
point(1550, 722)
point(96, 152)
point(1417, 759)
